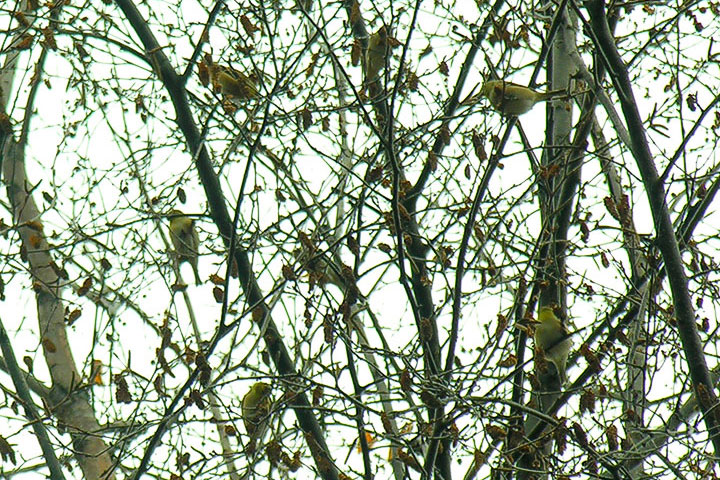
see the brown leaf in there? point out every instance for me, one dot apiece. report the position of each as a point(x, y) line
point(160, 355)
point(580, 435)
point(182, 460)
point(432, 161)
point(591, 358)
point(374, 174)
point(81, 50)
point(49, 38)
point(611, 434)
point(495, 432)
point(479, 146)
point(610, 206)
point(6, 450)
point(306, 116)
point(21, 19)
point(409, 460)
point(356, 52)
point(197, 399)
point(158, 385)
point(405, 380)
point(24, 43)
point(311, 66)
point(249, 27)
point(603, 260)
point(293, 463)
point(218, 294)
point(587, 401)
point(444, 69)
point(203, 368)
point(509, 361)
point(560, 436)
point(328, 330)
point(445, 134)
point(317, 395)
point(502, 323)
point(96, 374)
point(72, 316)
point(48, 345)
point(85, 287)
point(387, 425)
point(288, 273)
point(412, 81)
point(122, 392)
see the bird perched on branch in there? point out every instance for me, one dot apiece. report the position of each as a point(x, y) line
point(256, 406)
point(513, 99)
point(552, 339)
point(234, 83)
point(376, 56)
point(185, 240)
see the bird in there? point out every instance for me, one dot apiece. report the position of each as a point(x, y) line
point(256, 406)
point(552, 338)
point(185, 240)
point(513, 99)
point(234, 83)
point(376, 55)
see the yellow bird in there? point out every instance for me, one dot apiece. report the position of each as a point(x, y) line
point(376, 55)
point(513, 99)
point(552, 338)
point(234, 83)
point(185, 240)
point(256, 406)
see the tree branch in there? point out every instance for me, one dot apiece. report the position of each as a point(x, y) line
point(666, 240)
point(175, 86)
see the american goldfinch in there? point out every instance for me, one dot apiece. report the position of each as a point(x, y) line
point(185, 240)
point(513, 99)
point(234, 83)
point(256, 406)
point(376, 55)
point(551, 337)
